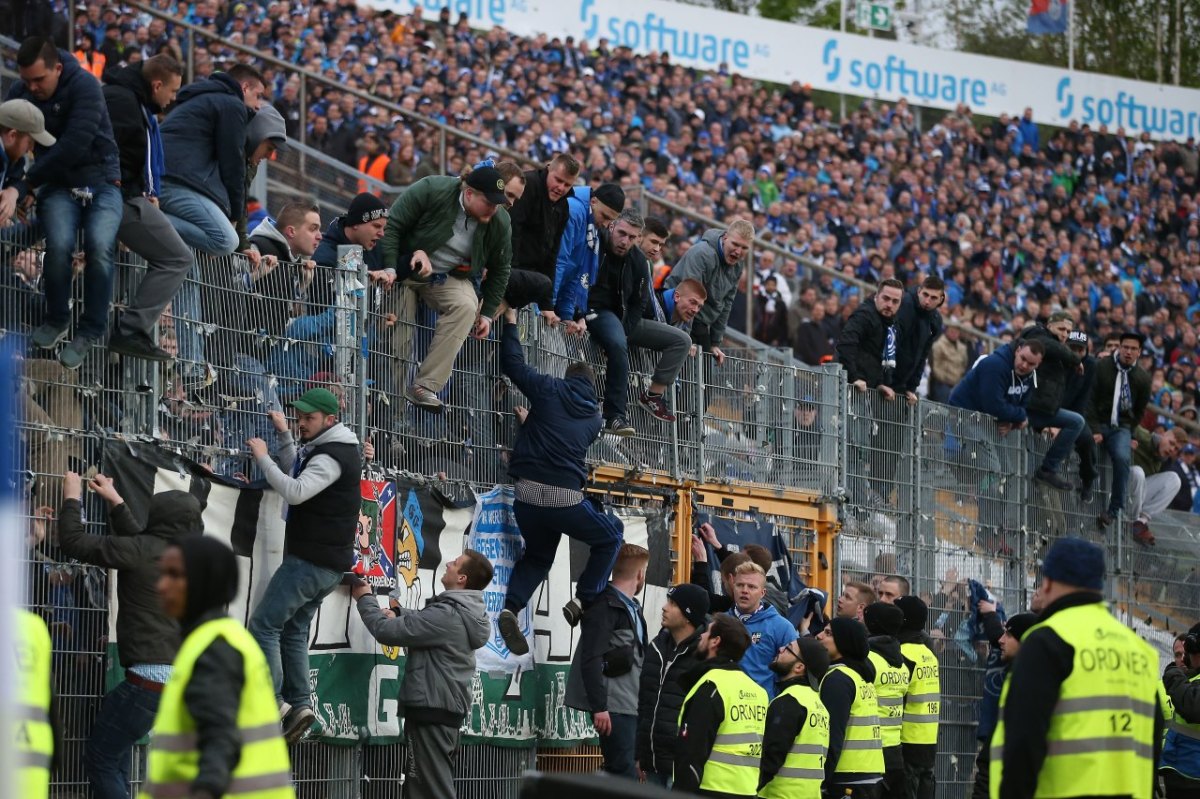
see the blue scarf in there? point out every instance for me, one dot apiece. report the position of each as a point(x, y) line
point(154, 155)
point(889, 349)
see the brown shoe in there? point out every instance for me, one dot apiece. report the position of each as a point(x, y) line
point(423, 398)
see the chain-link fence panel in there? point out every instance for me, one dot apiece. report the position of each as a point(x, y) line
point(880, 466)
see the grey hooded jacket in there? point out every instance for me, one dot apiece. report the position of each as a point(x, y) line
point(441, 639)
point(705, 263)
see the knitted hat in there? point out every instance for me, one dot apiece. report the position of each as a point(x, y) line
point(851, 638)
point(916, 612)
point(1075, 562)
point(692, 600)
point(611, 195)
point(882, 618)
point(1019, 624)
point(364, 208)
point(815, 658)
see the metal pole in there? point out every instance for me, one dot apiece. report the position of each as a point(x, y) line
point(442, 150)
point(191, 56)
point(303, 122)
point(1071, 35)
point(842, 97)
point(749, 275)
point(1177, 65)
point(71, 26)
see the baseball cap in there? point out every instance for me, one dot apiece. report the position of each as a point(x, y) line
point(24, 116)
point(1077, 338)
point(318, 400)
point(487, 181)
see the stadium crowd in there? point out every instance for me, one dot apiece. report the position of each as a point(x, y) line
point(1080, 250)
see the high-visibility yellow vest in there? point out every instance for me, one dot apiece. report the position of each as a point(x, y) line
point(923, 699)
point(804, 767)
point(1181, 752)
point(1101, 736)
point(733, 765)
point(263, 771)
point(891, 684)
point(862, 751)
point(33, 736)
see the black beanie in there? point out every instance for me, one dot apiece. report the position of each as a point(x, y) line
point(611, 195)
point(364, 208)
point(212, 575)
point(882, 618)
point(815, 658)
point(916, 612)
point(1019, 624)
point(692, 601)
point(851, 638)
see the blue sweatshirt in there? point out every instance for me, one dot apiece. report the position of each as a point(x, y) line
point(564, 420)
point(993, 387)
point(768, 632)
point(578, 257)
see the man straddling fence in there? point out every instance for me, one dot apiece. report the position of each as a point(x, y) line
point(76, 181)
point(538, 221)
point(135, 95)
point(441, 639)
point(321, 489)
point(1119, 400)
point(452, 232)
point(1046, 409)
point(549, 470)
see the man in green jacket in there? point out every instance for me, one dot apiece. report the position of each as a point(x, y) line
point(1152, 482)
point(452, 232)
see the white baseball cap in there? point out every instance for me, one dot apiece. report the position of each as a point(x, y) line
point(24, 116)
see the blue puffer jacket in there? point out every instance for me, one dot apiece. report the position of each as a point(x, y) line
point(205, 141)
point(564, 420)
point(994, 388)
point(77, 116)
point(578, 257)
point(768, 632)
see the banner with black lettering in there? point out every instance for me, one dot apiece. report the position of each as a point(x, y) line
point(406, 533)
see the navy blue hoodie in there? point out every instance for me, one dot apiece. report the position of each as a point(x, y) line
point(77, 116)
point(564, 420)
point(204, 136)
point(993, 387)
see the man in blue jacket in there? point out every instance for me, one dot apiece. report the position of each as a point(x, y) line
point(549, 470)
point(76, 181)
point(204, 185)
point(589, 212)
point(999, 386)
point(769, 632)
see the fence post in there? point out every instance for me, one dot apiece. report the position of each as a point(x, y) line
point(701, 415)
point(349, 315)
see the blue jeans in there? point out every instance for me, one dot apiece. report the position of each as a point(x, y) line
point(617, 747)
point(62, 218)
point(542, 528)
point(125, 717)
point(283, 619)
point(1116, 443)
point(608, 332)
point(1070, 425)
point(199, 221)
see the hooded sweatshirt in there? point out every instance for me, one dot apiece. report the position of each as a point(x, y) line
point(768, 632)
point(564, 420)
point(705, 262)
point(993, 387)
point(145, 635)
point(441, 639)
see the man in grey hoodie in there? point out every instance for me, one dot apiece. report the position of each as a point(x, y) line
point(319, 481)
point(436, 693)
point(717, 261)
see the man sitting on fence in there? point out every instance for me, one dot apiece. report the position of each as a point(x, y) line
point(549, 469)
point(452, 232)
point(1152, 482)
point(1119, 401)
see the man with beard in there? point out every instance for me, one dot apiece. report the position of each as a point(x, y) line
point(989, 704)
point(321, 489)
point(723, 717)
point(796, 740)
point(854, 767)
point(922, 700)
point(1118, 403)
point(539, 218)
point(892, 674)
point(920, 325)
point(660, 696)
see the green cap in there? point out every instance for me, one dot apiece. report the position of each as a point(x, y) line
point(318, 400)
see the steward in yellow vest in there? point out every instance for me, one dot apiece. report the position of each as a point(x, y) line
point(33, 735)
point(1079, 713)
point(217, 732)
point(892, 673)
point(1180, 763)
point(854, 766)
point(922, 702)
point(796, 741)
point(722, 719)
point(1006, 646)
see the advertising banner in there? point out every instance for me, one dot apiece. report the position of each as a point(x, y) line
point(783, 52)
point(407, 532)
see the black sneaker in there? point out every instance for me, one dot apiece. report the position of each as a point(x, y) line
point(1087, 491)
point(1051, 479)
point(618, 427)
point(1105, 519)
point(510, 631)
point(656, 405)
point(137, 345)
point(573, 612)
